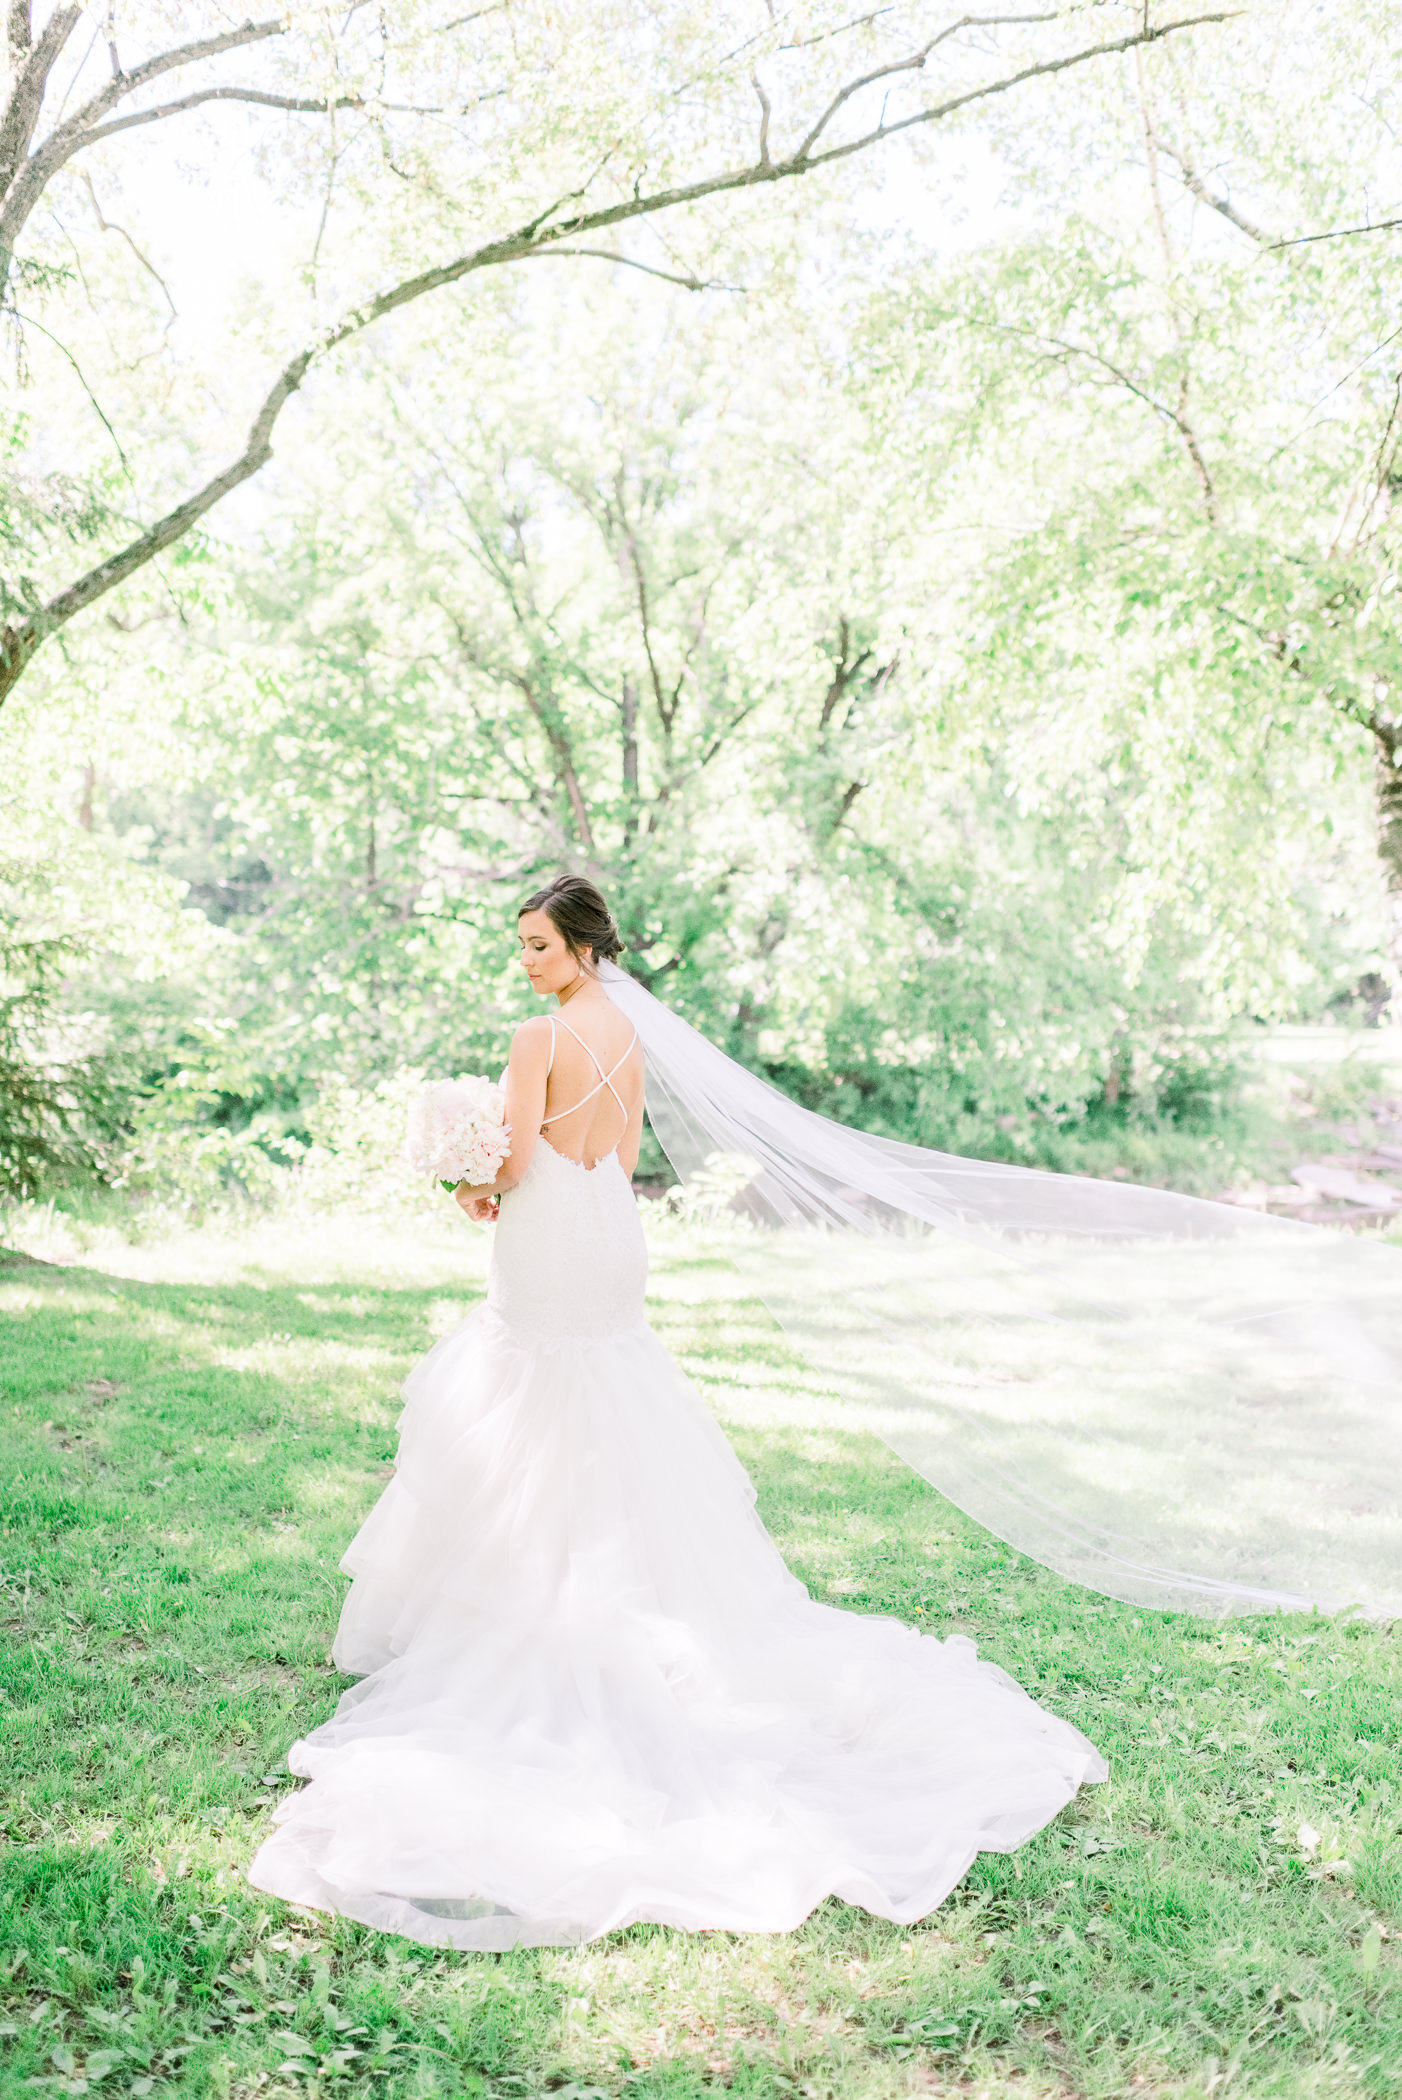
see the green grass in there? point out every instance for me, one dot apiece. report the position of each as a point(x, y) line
point(192, 1431)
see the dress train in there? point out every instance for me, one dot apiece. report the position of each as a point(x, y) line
point(591, 1692)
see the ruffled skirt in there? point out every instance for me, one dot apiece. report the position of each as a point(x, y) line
point(593, 1694)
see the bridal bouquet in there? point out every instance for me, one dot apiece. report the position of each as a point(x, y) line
point(457, 1132)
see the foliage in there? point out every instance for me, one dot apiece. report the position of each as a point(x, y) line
point(1188, 405)
point(58, 1088)
point(563, 147)
point(193, 1431)
point(610, 648)
point(950, 658)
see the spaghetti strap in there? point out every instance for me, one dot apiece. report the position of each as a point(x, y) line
point(605, 1079)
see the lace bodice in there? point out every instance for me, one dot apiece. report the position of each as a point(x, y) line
point(569, 1259)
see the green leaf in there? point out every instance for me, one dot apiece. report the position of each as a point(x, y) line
point(293, 2043)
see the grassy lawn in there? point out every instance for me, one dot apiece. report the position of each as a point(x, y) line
point(192, 1430)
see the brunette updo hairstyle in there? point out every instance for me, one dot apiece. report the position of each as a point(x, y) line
point(578, 910)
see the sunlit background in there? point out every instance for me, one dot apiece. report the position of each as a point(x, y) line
point(961, 634)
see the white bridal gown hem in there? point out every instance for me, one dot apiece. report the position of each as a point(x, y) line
point(591, 1692)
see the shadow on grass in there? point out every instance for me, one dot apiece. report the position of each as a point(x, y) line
point(185, 1465)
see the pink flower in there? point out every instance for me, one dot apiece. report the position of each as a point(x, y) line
point(457, 1132)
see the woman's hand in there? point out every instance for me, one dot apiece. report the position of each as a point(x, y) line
point(481, 1209)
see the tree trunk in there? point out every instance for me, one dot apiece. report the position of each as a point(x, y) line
point(1387, 779)
point(630, 759)
point(542, 706)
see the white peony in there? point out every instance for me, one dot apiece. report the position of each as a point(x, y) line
point(457, 1132)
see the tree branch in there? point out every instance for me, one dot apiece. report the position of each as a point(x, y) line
point(1176, 416)
point(764, 115)
point(476, 16)
point(843, 674)
point(163, 110)
point(1190, 439)
point(844, 807)
point(19, 33)
point(538, 234)
point(24, 181)
point(666, 710)
point(1001, 87)
point(1180, 329)
point(81, 377)
point(628, 724)
point(564, 759)
point(914, 64)
point(1293, 663)
point(688, 284)
point(30, 69)
point(532, 795)
point(1340, 233)
point(718, 742)
point(18, 643)
point(125, 83)
point(1386, 445)
point(109, 226)
point(1193, 181)
point(806, 43)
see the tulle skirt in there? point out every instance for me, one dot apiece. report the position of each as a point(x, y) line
point(591, 1693)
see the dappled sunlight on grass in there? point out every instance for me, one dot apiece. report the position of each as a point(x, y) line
point(189, 1447)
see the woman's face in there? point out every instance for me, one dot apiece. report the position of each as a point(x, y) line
point(544, 956)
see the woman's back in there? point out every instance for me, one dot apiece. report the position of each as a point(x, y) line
point(569, 1258)
point(594, 1083)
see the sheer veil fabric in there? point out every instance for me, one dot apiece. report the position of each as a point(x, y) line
point(590, 1691)
point(1175, 1402)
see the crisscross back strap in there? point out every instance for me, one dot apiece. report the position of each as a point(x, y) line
point(605, 1079)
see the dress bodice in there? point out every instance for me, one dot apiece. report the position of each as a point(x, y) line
point(569, 1260)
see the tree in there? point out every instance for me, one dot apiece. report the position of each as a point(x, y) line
point(446, 680)
point(577, 626)
point(563, 160)
point(1204, 413)
point(57, 1091)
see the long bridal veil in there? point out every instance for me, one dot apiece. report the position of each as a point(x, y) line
point(1174, 1402)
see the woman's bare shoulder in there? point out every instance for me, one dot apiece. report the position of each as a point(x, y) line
point(532, 1038)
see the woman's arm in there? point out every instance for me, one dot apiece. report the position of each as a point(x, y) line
point(525, 1110)
point(631, 1139)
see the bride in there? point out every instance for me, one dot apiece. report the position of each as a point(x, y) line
point(590, 1691)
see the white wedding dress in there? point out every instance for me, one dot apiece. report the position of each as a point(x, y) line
point(591, 1693)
